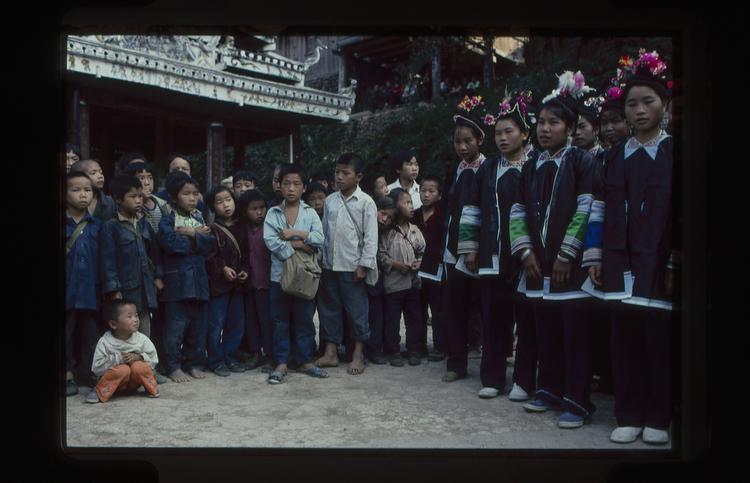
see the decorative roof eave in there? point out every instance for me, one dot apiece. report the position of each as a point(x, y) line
point(110, 61)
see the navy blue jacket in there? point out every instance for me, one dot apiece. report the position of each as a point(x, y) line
point(130, 261)
point(105, 206)
point(184, 262)
point(81, 265)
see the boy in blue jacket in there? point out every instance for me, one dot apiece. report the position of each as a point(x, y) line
point(81, 287)
point(185, 241)
point(130, 258)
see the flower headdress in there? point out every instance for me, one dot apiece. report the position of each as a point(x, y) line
point(469, 104)
point(648, 69)
point(516, 104)
point(571, 87)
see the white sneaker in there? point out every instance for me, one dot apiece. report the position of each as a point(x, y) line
point(625, 434)
point(655, 436)
point(488, 392)
point(518, 394)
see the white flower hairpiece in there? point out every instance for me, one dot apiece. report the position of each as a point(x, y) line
point(569, 85)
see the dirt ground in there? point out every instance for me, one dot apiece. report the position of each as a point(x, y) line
point(386, 407)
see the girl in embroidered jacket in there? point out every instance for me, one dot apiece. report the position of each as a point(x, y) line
point(632, 255)
point(461, 284)
point(484, 239)
point(547, 229)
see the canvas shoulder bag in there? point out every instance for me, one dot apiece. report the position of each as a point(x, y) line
point(300, 276)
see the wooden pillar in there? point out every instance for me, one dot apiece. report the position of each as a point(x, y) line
point(215, 152)
point(162, 131)
point(106, 145)
point(73, 119)
point(239, 149)
point(84, 132)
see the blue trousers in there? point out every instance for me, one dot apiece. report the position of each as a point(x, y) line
point(339, 293)
point(225, 328)
point(185, 330)
point(258, 325)
point(283, 308)
point(376, 313)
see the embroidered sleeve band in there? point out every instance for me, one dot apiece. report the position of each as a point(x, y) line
point(519, 232)
point(468, 230)
point(576, 232)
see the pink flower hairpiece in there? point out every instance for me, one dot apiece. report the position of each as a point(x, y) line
point(569, 84)
point(470, 103)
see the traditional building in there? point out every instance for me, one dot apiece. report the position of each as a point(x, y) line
point(189, 94)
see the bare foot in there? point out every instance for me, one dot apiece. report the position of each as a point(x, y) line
point(196, 373)
point(179, 376)
point(327, 360)
point(356, 366)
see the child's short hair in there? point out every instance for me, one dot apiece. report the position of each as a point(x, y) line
point(176, 181)
point(401, 157)
point(113, 313)
point(211, 196)
point(126, 158)
point(288, 169)
point(244, 175)
point(396, 193)
point(173, 156)
point(73, 147)
point(385, 203)
point(136, 168)
point(312, 188)
point(77, 174)
point(435, 180)
point(248, 197)
point(80, 166)
point(122, 183)
point(353, 160)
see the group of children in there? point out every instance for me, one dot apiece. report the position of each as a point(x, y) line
point(539, 234)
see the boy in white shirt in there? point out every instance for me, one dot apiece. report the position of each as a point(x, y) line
point(350, 247)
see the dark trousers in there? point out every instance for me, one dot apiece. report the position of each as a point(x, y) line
point(80, 331)
point(408, 302)
point(565, 358)
point(185, 331)
point(258, 325)
point(376, 314)
point(525, 365)
point(602, 355)
point(432, 296)
point(642, 367)
point(457, 298)
point(157, 333)
point(497, 329)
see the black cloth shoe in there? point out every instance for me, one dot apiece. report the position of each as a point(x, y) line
point(436, 356)
point(235, 367)
point(414, 359)
point(221, 371)
point(397, 360)
point(378, 359)
point(71, 388)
